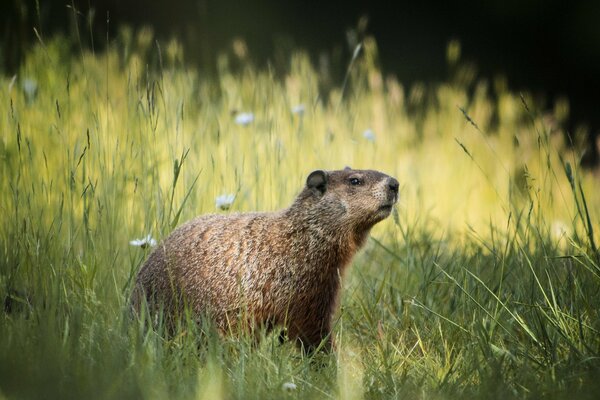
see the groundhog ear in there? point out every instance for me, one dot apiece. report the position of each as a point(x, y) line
point(317, 180)
point(347, 168)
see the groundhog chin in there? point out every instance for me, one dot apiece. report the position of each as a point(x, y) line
point(384, 211)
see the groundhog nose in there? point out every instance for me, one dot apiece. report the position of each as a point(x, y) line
point(393, 185)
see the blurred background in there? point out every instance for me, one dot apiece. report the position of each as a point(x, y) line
point(550, 48)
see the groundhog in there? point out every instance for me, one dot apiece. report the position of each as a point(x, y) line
point(269, 269)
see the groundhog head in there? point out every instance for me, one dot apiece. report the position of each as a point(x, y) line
point(360, 198)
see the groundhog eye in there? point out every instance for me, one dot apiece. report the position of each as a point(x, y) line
point(355, 181)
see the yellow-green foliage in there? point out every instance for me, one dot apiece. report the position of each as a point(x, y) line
point(137, 122)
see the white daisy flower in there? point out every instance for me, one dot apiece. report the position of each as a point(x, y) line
point(224, 201)
point(30, 88)
point(244, 118)
point(144, 242)
point(369, 135)
point(299, 109)
point(288, 387)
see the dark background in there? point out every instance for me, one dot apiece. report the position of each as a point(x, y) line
point(549, 47)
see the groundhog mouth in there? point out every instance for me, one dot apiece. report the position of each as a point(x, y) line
point(386, 207)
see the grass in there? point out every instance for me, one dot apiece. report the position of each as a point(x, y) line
point(484, 284)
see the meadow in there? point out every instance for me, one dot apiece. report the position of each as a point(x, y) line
point(485, 283)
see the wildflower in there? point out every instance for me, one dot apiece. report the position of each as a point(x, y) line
point(144, 242)
point(288, 387)
point(299, 109)
point(369, 135)
point(224, 201)
point(30, 88)
point(244, 118)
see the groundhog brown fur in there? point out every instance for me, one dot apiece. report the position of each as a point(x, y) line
point(269, 269)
